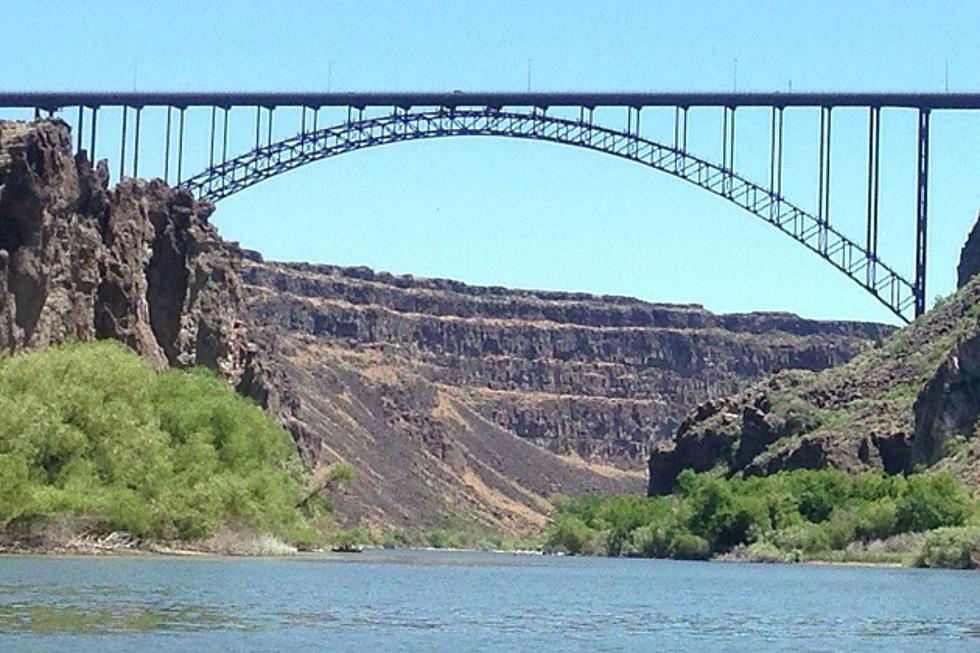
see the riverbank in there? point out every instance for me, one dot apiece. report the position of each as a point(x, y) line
point(224, 542)
point(257, 546)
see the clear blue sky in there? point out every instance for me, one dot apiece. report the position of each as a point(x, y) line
point(538, 215)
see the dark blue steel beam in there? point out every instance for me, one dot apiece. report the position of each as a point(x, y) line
point(54, 100)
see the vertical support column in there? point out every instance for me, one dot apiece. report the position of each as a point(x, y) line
point(224, 137)
point(684, 129)
point(677, 128)
point(772, 150)
point(823, 183)
point(871, 242)
point(122, 144)
point(922, 210)
point(775, 161)
point(166, 148)
point(680, 135)
point(79, 128)
point(95, 122)
point(271, 110)
point(136, 144)
point(827, 160)
point(214, 115)
point(180, 146)
point(731, 144)
point(258, 125)
point(820, 163)
point(772, 161)
point(636, 132)
point(724, 138)
point(779, 157)
point(728, 148)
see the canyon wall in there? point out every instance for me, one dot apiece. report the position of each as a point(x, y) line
point(590, 381)
point(455, 404)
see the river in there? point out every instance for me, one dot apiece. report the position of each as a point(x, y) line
point(447, 601)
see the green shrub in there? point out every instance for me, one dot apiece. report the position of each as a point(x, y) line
point(840, 528)
point(933, 501)
point(764, 551)
point(819, 492)
point(14, 490)
point(802, 513)
point(90, 430)
point(805, 537)
point(652, 541)
point(569, 534)
point(348, 538)
point(442, 538)
point(661, 538)
point(952, 548)
point(688, 546)
point(877, 520)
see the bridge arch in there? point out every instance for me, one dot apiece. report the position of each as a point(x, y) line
point(847, 256)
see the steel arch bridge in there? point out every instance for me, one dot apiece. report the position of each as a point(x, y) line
point(234, 175)
point(418, 116)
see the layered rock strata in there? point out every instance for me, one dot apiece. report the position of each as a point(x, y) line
point(589, 381)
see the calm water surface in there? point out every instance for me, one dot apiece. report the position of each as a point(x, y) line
point(438, 601)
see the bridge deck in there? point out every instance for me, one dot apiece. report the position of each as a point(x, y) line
point(55, 100)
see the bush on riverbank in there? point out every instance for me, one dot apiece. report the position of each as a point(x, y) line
point(798, 515)
point(953, 548)
point(90, 431)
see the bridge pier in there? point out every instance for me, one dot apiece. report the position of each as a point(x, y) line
point(922, 212)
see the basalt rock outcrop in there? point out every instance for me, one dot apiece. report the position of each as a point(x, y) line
point(910, 404)
point(588, 381)
point(600, 377)
point(969, 264)
point(138, 262)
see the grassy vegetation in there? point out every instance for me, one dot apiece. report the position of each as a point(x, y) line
point(89, 432)
point(445, 537)
point(798, 515)
point(954, 548)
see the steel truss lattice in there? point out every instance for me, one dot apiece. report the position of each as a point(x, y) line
point(813, 231)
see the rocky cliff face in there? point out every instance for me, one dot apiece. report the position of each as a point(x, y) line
point(600, 377)
point(910, 404)
point(138, 263)
point(584, 384)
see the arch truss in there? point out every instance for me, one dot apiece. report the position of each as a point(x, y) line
point(811, 230)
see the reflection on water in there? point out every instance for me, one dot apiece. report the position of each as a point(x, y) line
point(453, 601)
point(72, 619)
